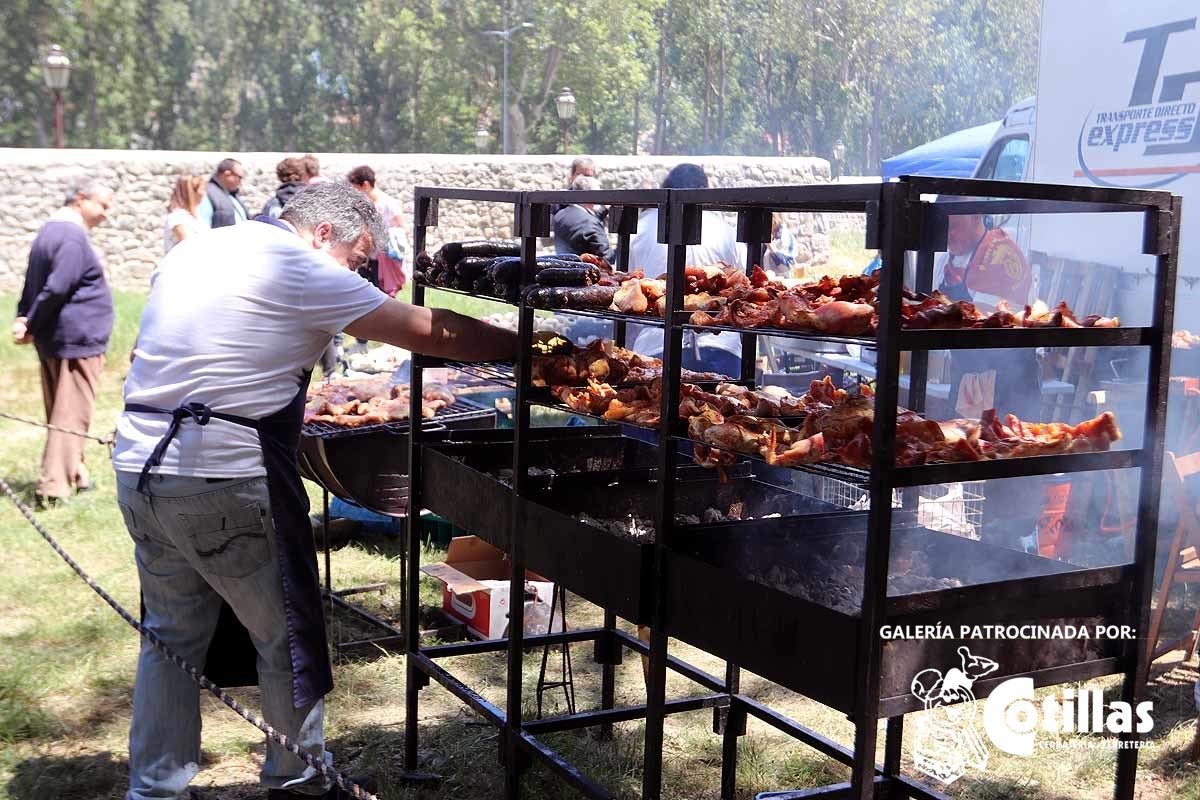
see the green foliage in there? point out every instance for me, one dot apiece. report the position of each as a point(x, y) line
point(779, 77)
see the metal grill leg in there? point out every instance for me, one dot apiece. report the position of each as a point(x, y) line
point(414, 680)
point(325, 545)
point(893, 748)
point(567, 679)
point(404, 534)
point(656, 686)
point(608, 681)
point(734, 725)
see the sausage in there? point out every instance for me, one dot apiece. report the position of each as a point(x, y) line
point(505, 270)
point(490, 248)
point(453, 252)
point(547, 262)
point(568, 276)
point(592, 297)
point(441, 277)
point(484, 285)
point(424, 261)
point(540, 297)
point(472, 267)
point(571, 296)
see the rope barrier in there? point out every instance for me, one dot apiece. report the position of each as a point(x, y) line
point(316, 763)
point(106, 440)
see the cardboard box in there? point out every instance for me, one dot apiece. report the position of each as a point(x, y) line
point(475, 588)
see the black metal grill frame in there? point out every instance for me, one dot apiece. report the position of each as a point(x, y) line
point(898, 220)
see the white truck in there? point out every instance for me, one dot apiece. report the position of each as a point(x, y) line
point(1117, 105)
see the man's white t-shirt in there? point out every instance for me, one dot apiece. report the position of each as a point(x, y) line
point(718, 242)
point(234, 321)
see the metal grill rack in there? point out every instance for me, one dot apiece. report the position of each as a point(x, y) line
point(462, 410)
point(368, 466)
point(740, 616)
point(954, 508)
point(500, 373)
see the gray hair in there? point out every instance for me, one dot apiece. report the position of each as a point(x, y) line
point(347, 210)
point(584, 183)
point(88, 187)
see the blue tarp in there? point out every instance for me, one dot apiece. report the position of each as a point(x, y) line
point(952, 156)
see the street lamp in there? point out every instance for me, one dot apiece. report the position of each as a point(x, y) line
point(56, 71)
point(505, 35)
point(839, 153)
point(564, 104)
point(482, 137)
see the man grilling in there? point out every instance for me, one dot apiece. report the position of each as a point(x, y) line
point(207, 477)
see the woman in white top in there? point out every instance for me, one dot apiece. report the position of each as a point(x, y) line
point(181, 220)
point(392, 273)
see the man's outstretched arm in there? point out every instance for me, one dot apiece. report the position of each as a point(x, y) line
point(435, 332)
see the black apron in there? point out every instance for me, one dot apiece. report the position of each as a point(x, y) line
point(231, 655)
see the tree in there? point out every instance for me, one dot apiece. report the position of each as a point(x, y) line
point(769, 77)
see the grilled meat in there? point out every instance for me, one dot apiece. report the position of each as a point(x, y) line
point(373, 401)
point(630, 299)
point(839, 425)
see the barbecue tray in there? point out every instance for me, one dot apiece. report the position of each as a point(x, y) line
point(739, 615)
point(597, 472)
point(368, 465)
point(810, 647)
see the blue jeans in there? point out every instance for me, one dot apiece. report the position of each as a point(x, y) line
point(197, 542)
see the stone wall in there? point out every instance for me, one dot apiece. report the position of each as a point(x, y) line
point(131, 243)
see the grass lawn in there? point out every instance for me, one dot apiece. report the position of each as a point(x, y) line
point(67, 665)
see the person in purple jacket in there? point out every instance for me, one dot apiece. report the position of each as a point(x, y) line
point(66, 311)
